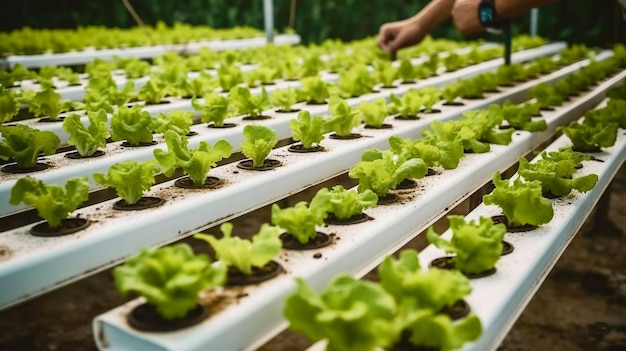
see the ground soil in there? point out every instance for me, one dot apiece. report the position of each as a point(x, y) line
point(580, 307)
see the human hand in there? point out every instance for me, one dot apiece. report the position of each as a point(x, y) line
point(465, 17)
point(394, 36)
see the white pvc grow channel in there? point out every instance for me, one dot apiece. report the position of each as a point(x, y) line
point(63, 168)
point(499, 299)
point(438, 81)
point(247, 322)
point(87, 55)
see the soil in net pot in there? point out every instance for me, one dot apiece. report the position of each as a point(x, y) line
point(14, 169)
point(320, 240)
point(357, 218)
point(67, 226)
point(141, 144)
point(447, 262)
point(268, 164)
point(388, 199)
point(146, 318)
point(512, 229)
point(76, 156)
point(345, 137)
point(223, 126)
point(299, 148)
point(143, 203)
point(187, 183)
point(259, 274)
point(458, 310)
point(405, 345)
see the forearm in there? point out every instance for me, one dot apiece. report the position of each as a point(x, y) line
point(433, 14)
point(513, 8)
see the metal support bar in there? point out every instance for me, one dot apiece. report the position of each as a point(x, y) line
point(534, 20)
point(268, 17)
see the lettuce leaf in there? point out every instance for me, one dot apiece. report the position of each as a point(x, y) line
point(133, 125)
point(129, 178)
point(9, 106)
point(477, 245)
point(170, 278)
point(521, 202)
point(247, 104)
point(307, 129)
point(374, 113)
point(343, 118)
point(260, 141)
point(243, 254)
point(53, 202)
point(87, 140)
point(299, 221)
point(555, 177)
point(24, 144)
point(587, 137)
point(215, 108)
point(178, 121)
point(341, 202)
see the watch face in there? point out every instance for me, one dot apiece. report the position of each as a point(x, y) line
point(486, 14)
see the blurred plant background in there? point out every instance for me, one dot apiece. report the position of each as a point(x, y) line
point(598, 23)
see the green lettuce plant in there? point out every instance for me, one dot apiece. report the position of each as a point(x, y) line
point(343, 203)
point(194, 162)
point(169, 278)
point(407, 106)
point(406, 71)
point(520, 116)
point(556, 177)
point(476, 246)
point(53, 202)
point(356, 81)
point(521, 202)
point(300, 221)
point(260, 140)
point(385, 73)
point(153, 91)
point(229, 76)
point(343, 118)
point(133, 125)
point(315, 90)
point(9, 106)
point(284, 99)
point(47, 102)
point(24, 144)
point(88, 139)
point(612, 113)
point(129, 179)
point(566, 154)
point(307, 129)
point(247, 104)
point(244, 254)
point(381, 171)
point(374, 112)
point(178, 121)
point(430, 96)
point(351, 314)
point(483, 123)
point(587, 137)
point(215, 108)
point(546, 95)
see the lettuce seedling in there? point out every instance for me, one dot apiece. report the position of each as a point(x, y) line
point(133, 125)
point(9, 106)
point(385, 73)
point(414, 289)
point(247, 104)
point(612, 113)
point(405, 71)
point(343, 203)
point(374, 113)
point(451, 91)
point(229, 75)
point(586, 137)
point(202, 85)
point(194, 162)
point(521, 202)
point(244, 254)
point(476, 246)
point(284, 99)
point(315, 90)
point(351, 314)
point(47, 102)
point(430, 96)
point(290, 68)
point(307, 129)
point(87, 140)
point(178, 121)
point(153, 91)
point(24, 144)
point(566, 154)
point(409, 105)
point(520, 117)
point(169, 278)
point(546, 95)
point(53, 202)
point(129, 178)
point(381, 171)
point(427, 152)
point(342, 117)
point(453, 62)
point(437, 330)
point(299, 221)
point(556, 177)
point(259, 142)
point(215, 108)
point(483, 124)
point(356, 81)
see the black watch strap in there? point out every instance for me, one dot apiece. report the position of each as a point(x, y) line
point(489, 18)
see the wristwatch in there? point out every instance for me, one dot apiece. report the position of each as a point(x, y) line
point(489, 18)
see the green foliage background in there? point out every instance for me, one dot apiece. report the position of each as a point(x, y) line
point(592, 22)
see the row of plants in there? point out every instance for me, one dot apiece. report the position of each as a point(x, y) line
point(171, 78)
point(31, 41)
